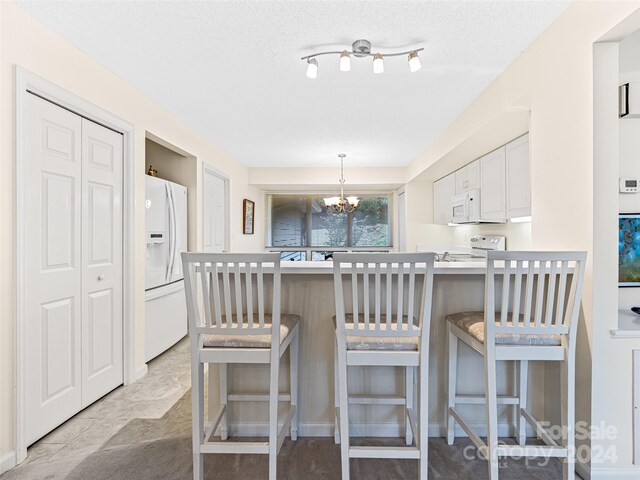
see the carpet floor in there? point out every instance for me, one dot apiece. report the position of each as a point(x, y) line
point(146, 449)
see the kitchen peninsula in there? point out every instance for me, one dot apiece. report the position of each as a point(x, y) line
point(307, 290)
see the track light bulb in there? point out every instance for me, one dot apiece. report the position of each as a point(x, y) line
point(414, 62)
point(378, 63)
point(345, 61)
point(312, 68)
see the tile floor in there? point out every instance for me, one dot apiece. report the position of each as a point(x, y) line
point(167, 380)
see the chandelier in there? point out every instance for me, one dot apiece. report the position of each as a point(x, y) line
point(362, 48)
point(341, 204)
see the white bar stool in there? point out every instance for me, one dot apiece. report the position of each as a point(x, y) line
point(549, 286)
point(378, 332)
point(231, 331)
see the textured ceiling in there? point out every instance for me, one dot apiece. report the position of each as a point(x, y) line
point(232, 70)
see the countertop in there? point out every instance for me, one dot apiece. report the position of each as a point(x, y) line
point(475, 267)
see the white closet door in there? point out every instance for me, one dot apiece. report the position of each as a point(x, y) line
point(101, 261)
point(53, 266)
point(215, 211)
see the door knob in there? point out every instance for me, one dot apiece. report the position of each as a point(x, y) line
point(100, 277)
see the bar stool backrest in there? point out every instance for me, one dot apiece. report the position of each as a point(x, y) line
point(226, 293)
point(381, 294)
point(544, 289)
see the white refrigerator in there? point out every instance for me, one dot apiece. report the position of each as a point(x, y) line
point(166, 239)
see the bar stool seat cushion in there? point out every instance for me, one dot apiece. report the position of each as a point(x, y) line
point(288, 322)
point(382, 342)
point(472, 323)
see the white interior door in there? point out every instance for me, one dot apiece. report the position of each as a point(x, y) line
point(73, 271)
point(215, 212)
point(101, 261)
point(53, 267)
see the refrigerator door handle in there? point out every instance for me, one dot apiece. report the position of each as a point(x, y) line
point(171, 233)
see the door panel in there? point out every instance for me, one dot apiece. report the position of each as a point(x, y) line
point(57, 347)
point(101, 241)
point(101, 261)
point(101, 332)
point(215, 211)
point(52, 266)
point(57, 221)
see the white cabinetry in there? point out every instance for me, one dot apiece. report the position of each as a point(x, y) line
point(518, 180)
point(467, 178)
point(443, 190)
point(492, 186)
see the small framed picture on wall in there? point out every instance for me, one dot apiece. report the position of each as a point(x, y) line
point(248, 209)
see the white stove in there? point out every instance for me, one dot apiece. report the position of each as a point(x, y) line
point(481, 244)
point(478, 247)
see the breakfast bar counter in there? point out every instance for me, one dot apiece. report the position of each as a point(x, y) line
point(307, 290)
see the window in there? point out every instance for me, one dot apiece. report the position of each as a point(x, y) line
point(303, 221)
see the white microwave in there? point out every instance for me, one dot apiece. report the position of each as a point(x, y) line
point(465, 208)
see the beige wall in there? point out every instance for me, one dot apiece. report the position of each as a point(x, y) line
point(326, 178)
point(26, 42)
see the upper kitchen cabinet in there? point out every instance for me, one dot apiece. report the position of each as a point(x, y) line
point(443, 190)
point(518, 178)
point(492, 186)
point(467, 178)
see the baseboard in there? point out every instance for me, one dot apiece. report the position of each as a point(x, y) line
point(7, 462)
point(140, 372)
point(611, 473)
point(389, 429)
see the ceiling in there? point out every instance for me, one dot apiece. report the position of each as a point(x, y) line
point(232, 69)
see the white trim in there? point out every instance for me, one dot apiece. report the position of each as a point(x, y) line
point(207, 168)
point(26, 81)
point(140, 372)
point(7, 461)
point(632, 473)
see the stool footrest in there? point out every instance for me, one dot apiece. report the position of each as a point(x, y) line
point(256, 397)
point(481, 400)
point(376, 400)
point(235, 447)
point(531, 451)
point(384, 452)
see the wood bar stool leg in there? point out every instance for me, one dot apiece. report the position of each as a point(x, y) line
point(452, 374)
point(336, 393)
point(409, 395)
point(344, 412)
point(568, 380)
point(224, 393)
point(492, 414)
point(274, 368)
point(293, 378)
point(523, 380)
point(197, 408)
point(423, 428)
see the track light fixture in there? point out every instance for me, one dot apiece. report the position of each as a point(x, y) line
point(362, 48)
point(345, 61)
